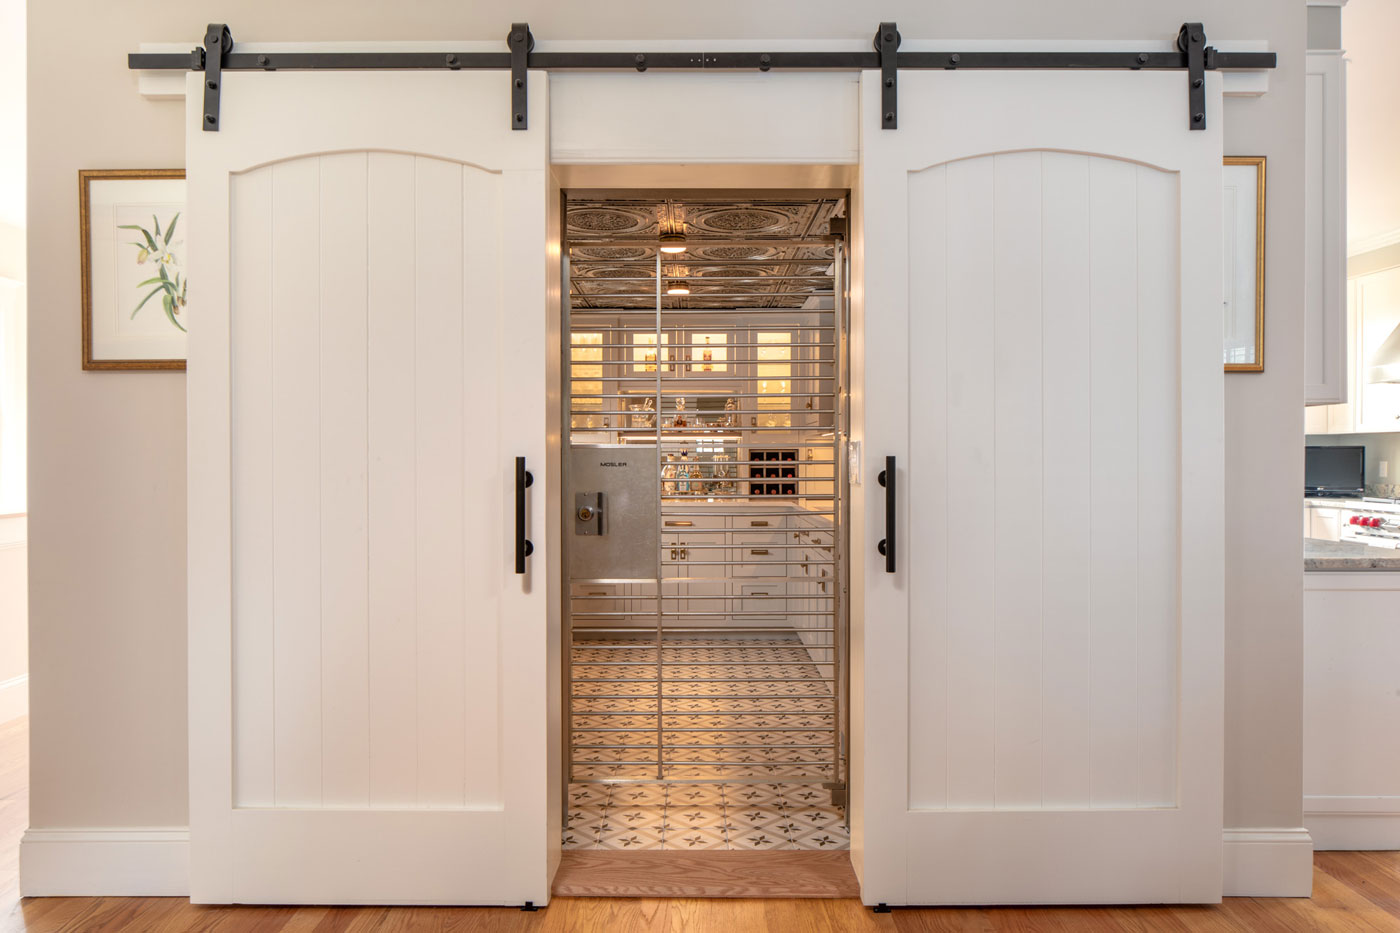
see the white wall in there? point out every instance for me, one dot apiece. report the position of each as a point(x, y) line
point(107, 490)
point(12, 68)
point(14, 611)
point(14, 621)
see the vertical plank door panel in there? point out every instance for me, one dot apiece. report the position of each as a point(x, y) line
point(296, 539)
point(971, 639)
point(392, 590)
point(344, 481)
point(929, 499)
point(1018, 497)
point(254, 717)
point(439, 410)
point(1113, 525)
point(1159, 477)
point(1069, 502)
point(485, 402)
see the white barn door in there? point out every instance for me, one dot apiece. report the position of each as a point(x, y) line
point(1042, 673)
point(368, 675)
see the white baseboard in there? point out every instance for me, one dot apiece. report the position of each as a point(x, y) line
point(142, 862)
point(131, 862)
point(14, 697)
point(1353, 822)
point(1268, 863)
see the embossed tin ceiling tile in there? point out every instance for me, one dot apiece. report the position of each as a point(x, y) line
point(611, 252)
point(701, 251)
point(593, 271)
point(746, 220)
point(610, 287)
point(612, 220)
point(745, 272)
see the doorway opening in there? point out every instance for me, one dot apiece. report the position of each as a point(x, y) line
point(705, 618)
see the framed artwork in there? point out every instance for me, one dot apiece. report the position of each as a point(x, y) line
point(1243, 261)
point(135, 288)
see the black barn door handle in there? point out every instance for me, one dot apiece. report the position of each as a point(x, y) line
point(523, 547)
point(887, 543)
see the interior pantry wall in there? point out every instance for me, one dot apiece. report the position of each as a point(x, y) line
point(107, 489)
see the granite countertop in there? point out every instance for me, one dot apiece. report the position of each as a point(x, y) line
point(1320, 555)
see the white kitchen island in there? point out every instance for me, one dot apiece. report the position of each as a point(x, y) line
point(1351, 699)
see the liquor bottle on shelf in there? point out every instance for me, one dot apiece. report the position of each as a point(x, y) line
point(679, 421)
point(683, 477)
point(668, 476)
point(708, 356)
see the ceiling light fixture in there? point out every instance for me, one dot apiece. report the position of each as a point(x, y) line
point(673, 243)
point(678, 288)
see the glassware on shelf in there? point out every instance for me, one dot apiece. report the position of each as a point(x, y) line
point(731, 410)
point(645, 413)
point(679, 420)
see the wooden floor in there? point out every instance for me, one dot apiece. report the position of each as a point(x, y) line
point(1352, 891)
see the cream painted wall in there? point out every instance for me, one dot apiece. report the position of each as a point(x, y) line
point(14, 608)
point(107, 450)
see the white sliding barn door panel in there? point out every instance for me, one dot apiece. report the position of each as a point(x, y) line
point(367, 671)
point(1042, 674)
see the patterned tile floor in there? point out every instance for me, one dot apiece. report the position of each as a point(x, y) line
point(762, 709)
point(703, 816)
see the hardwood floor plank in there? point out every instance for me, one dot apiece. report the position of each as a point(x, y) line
point(1373, 875)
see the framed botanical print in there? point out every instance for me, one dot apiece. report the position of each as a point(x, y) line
point(1243, 262)
point(135, 287)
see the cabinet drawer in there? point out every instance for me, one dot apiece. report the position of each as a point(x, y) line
point(758, 602)
point(760, 555)
point(681, 524)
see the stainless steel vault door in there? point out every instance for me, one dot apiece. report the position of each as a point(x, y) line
point(614, 492)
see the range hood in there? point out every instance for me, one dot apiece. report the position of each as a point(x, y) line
point(1385, 362)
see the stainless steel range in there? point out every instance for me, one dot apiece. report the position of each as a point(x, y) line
point(1375, 522)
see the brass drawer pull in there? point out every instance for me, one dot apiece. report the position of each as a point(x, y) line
point(758, 551)
point(679, 524)
point(762, 524)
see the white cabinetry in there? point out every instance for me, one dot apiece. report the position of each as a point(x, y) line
point(1373, 311)
point(1324, 323)
point(1351, 713)
point(1324, 522)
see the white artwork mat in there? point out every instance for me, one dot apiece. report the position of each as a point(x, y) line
point(118, 266)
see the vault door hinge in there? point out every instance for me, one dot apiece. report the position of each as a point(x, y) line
point(217, 43)
point(521, 43)
point(1192, 40)
point(887, 44)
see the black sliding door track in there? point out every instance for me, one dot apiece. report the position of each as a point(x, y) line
point(217, 54)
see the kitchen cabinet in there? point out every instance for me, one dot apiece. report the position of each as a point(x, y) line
point(1351, 765)
point(1373, 312)
point(1323, 522)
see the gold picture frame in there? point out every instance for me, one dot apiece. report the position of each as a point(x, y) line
point(1243, 241)
point(113, 338)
